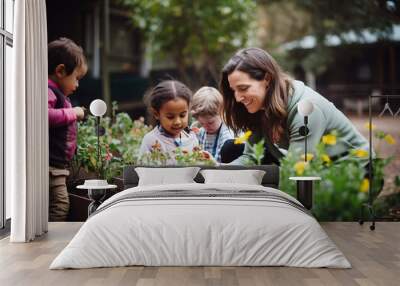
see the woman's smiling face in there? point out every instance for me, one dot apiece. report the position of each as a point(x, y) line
point(248, 91)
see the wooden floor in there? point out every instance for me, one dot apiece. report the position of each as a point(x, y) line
point(374, 255)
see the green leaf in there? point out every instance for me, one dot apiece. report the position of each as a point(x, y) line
point(397, 181)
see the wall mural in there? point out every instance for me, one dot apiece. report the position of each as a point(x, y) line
point(338, 196)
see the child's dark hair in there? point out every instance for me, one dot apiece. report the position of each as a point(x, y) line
point(65, 51)
point(165, 91)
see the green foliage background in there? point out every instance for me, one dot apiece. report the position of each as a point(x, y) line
point(200, 34)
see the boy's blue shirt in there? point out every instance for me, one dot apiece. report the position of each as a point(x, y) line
point(223, 134)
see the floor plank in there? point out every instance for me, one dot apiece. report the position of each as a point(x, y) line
point(374, 255)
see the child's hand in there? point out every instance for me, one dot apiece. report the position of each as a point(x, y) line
point(85, 113)
point(210, 157)
point(79, 112)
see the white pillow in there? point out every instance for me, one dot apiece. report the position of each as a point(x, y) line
point(249, 177)
point(164, 176)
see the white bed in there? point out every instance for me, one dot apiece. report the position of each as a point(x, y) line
point(223, 225)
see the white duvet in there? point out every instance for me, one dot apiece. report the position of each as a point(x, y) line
point(183, 231)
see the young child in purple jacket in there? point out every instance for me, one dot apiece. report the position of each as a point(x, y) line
point(67, 65)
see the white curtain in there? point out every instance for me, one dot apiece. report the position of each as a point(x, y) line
point(27, 124)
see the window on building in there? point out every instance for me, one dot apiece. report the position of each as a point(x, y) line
point(6, 63)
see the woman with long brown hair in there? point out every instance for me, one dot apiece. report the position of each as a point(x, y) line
point(260, 97)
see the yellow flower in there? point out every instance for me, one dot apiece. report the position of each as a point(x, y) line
point(329, 139)
point(309, 156)
point(364, 187)
point(93, 161)
point(389, 139)
point(243, 138)
point(326, 159)
point(368, 126)
point(300, 167)
point(360, 153)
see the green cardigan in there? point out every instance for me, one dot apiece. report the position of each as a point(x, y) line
point(324, 119)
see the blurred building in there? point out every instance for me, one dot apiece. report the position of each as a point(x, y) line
point(360, 64)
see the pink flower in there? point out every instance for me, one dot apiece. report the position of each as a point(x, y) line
point(156, 146)
point(108, 156)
